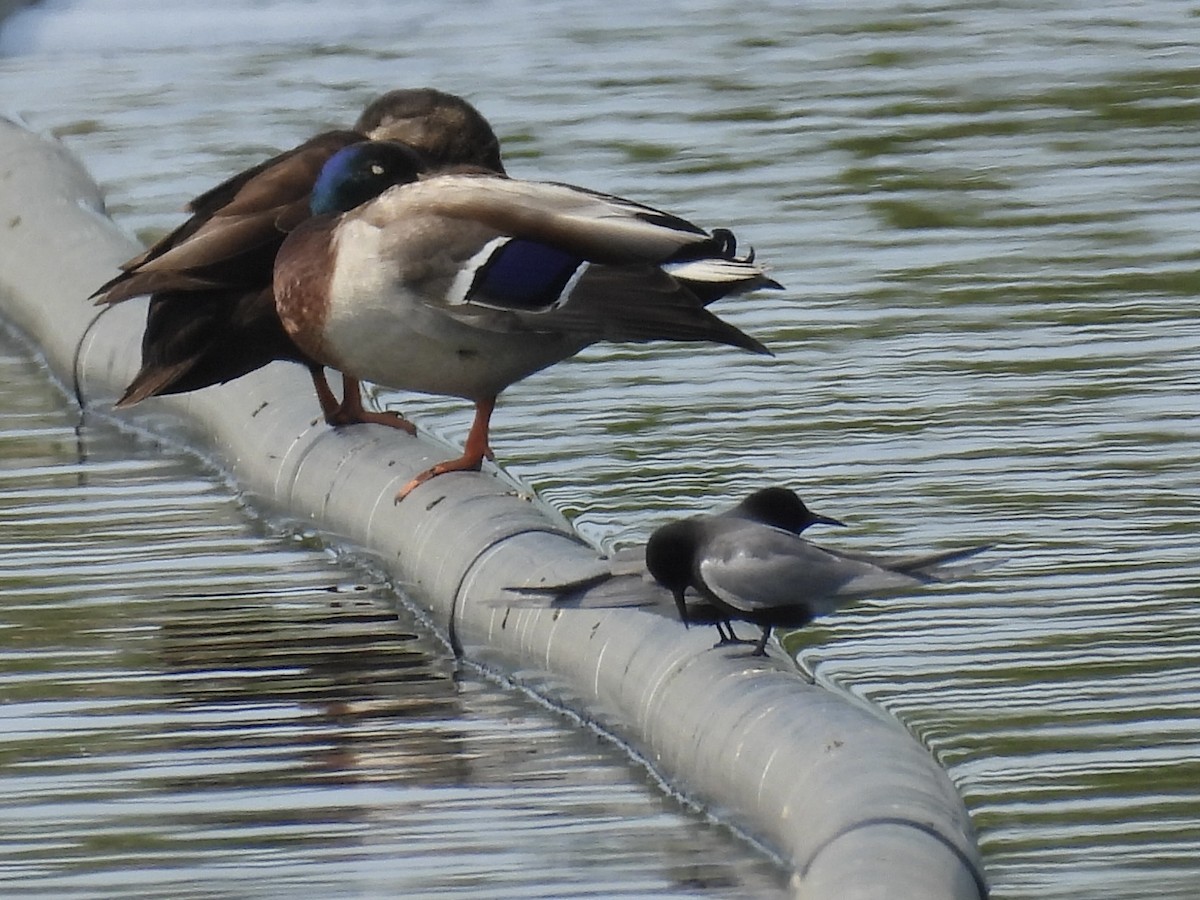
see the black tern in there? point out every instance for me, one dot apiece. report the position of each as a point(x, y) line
point(779, 507)
point(747, 568)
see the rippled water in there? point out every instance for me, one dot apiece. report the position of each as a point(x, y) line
point(196, 705)
point(987, 219)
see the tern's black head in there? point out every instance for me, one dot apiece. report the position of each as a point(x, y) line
point(362, 172)
point(670, 558)
point(782, 508)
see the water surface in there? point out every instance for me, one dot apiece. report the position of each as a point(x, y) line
point(986, 216)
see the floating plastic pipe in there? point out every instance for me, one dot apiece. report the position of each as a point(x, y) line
point(840, 793)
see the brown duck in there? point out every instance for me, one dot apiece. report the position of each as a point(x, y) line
point(212, 314)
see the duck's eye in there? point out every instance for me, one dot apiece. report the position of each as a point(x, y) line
point(376, 169)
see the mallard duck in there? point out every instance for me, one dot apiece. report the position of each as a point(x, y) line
point(463, 283)
point(749, 564)
point(212, 315)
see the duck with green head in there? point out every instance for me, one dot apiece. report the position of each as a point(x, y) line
point(464, 282)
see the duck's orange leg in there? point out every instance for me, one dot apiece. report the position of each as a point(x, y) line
point(329, 403)
point(475, 452)
point(350, 410)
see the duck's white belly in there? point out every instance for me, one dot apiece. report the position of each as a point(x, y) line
point(377, 330)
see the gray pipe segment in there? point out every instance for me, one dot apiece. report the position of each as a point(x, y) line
point(838, 791)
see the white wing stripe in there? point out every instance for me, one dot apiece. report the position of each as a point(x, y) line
point(464, 279)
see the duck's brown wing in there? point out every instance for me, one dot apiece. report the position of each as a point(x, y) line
point(235, 228)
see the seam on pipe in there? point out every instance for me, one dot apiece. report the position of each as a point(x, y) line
point(77, 357)
point(924, 827)
point(456, 601)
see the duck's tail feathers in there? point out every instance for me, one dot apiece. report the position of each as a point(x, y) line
point(136, 284)
point(149, 382)
point(712, 269)
point(714, 277)
point(642, 303)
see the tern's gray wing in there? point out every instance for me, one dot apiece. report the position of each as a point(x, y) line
point(628, 560)
point(624, 583)
point(931, 567)
point(753, 568)
point(612, 592)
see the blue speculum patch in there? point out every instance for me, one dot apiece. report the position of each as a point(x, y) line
point(524, 275)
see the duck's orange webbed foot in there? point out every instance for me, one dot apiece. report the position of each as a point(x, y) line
point(477, 449)
point(350, 411)
point(386, 417)
point(468, 462)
